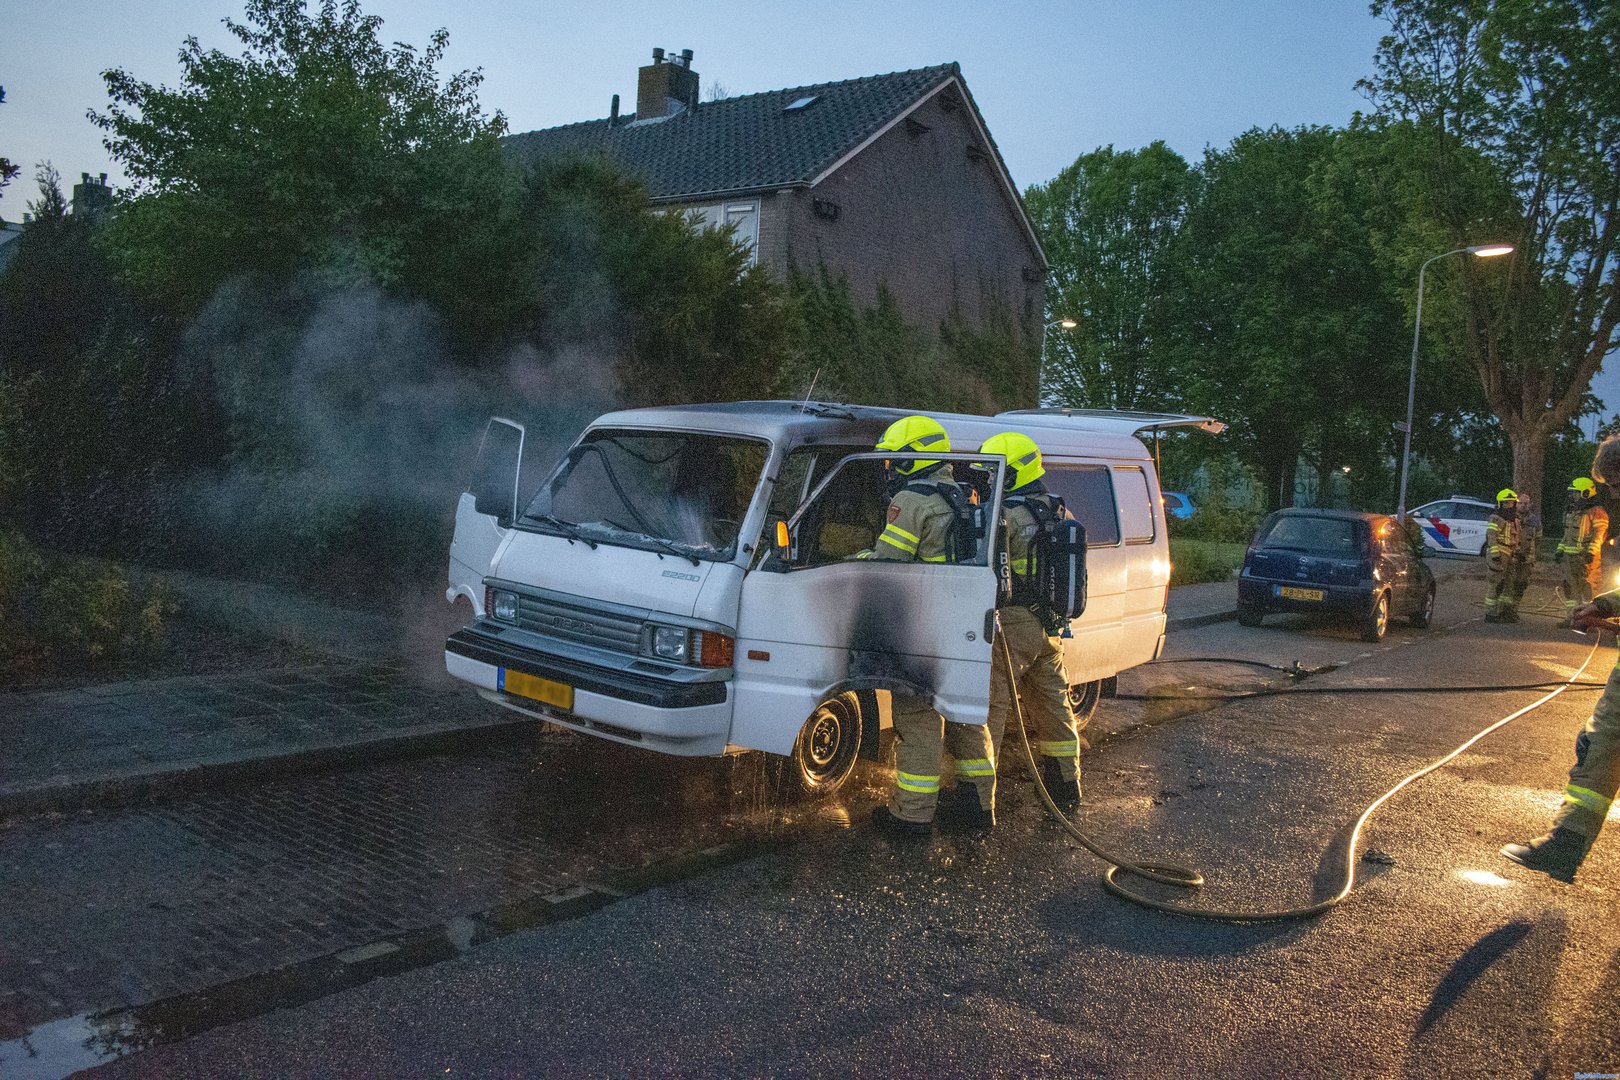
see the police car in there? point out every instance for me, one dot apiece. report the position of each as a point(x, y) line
point(1455, 526)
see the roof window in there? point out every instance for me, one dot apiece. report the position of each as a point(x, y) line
point(802, 103)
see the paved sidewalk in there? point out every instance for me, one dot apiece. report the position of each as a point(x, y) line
point(1190, 606)
point(380, 693)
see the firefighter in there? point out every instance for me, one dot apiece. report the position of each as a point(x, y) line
point(1530, 533)
point(1031, 631)
point(1586, 524)
point(1502, 557)
point(1595, 777)
point(921, 524)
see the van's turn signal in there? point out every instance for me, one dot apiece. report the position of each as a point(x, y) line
point(782, 539)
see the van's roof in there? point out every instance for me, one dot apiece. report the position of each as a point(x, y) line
point(1091, 433)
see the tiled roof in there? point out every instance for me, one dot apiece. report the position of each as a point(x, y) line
point(742, 143)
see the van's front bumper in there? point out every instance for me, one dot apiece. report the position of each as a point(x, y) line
point(686, 718)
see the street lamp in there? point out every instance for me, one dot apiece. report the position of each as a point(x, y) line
point(1482, 251)
point(1067, 324)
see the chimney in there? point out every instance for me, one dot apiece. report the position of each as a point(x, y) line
point(92, 196)
point(666, 87)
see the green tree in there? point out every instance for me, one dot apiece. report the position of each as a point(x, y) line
point(1513, 113)
point(1107, 222)
point(317, 146)
point(1284, 327)
point(675, 310)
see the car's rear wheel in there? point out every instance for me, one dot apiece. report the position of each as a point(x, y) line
point(1424, 615)
point(828, 744)
point(1483, 544)
point(1250, 615)
point(1376, 621)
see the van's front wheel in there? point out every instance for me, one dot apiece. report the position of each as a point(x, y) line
point(828, 744)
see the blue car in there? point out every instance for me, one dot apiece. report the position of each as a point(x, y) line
point(1366, 566)
point(1176, 504)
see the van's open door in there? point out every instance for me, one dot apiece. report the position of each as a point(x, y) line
point(816, 620)
point(485, 511)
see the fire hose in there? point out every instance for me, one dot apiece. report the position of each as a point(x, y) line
point(1185, 877)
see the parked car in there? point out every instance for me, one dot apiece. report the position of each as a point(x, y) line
point(1177, 505)
point(1455, 526)
point(1366, 566)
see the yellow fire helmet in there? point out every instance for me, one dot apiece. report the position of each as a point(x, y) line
point(1023, 456)
point(1507, 495)
point(913, 434)
point(1582, 484)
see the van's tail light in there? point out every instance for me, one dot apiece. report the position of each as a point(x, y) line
point(714, 650)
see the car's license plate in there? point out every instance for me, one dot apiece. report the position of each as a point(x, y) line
point(537, 689)
point(1288, 592)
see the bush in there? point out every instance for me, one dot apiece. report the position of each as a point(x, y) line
point(1195, 561)
point(1219, 524)
point(71, 612)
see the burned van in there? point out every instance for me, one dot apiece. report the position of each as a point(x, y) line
point(686, 580)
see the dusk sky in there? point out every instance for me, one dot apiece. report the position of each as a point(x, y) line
point(1053, 79)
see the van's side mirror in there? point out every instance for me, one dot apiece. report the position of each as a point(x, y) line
point(495, 475)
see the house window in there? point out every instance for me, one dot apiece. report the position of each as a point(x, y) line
point(742, 216)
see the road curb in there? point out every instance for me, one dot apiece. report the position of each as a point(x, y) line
point(1192, 622)
point(168, 781)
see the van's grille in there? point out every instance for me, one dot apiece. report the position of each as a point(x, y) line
point(581, 625)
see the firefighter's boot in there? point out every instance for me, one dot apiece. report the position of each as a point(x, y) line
point(960, 811)
point(898, 827)
point(1558, 854)
point(1065, 793)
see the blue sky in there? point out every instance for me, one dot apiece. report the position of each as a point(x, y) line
point(1054, 79)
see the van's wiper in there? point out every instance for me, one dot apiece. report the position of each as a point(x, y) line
point(567, 528)
point(673, 548)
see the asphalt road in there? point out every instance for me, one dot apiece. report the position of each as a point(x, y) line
point(846, 953)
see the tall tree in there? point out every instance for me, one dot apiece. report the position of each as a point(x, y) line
point(317, 146)
point(1106, 222)
point(1285, 327)
point(1515, 110)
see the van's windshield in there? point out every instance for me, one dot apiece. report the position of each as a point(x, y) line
point(665, 491)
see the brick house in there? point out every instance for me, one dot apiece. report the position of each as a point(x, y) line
point(889, 180)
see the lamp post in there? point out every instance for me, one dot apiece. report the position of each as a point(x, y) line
point(1482, 251)
point(1067, 324)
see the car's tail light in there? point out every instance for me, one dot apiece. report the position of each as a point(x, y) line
point(714, 650)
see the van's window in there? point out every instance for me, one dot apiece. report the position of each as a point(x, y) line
point(1085, 490)
point(1135, 504)
point(850, 515)
point(803, 469)
point(1317, 535)
point(664, 491)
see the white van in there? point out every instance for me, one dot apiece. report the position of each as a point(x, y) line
point(683, 581)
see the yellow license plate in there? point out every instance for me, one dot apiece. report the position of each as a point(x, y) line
point(1290, 593)
point(537, 689)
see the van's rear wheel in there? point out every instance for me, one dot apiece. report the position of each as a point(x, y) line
point(828, 744)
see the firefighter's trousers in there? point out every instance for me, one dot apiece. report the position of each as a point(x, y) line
point(1519, 580)
point(1043, 689)
point(922, 738)
point(1581, 582)
point(1596, 775)
point(1499, 591)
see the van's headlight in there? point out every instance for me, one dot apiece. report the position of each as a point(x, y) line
point(696, 648)
point(503, 606)
point(667, 643)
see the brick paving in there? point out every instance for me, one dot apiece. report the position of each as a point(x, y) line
point(100, 910)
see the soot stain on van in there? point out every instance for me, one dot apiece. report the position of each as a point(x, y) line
point(883, 643)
